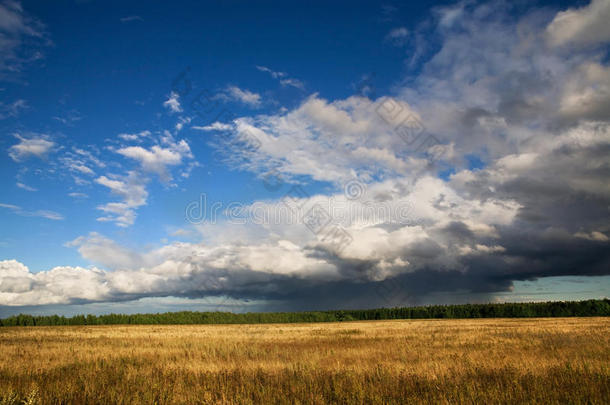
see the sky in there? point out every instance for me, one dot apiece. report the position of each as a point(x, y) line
point(259, 156)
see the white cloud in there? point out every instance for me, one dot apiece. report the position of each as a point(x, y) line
point(26, 187)
point(296, 83)
point(82, 169)
point(279, 251)
point(37, 213)
point(216, 126)
point(273, 74)
point(157, 158)
point(132, 189)
point(33, 145)
point(77, 163)
point(538, 207)
point(106, 252)
point(326, 141)
point(80, 163)
point(89, 157)
point(173, 103)
point(587, 25)
point(60, 285)
point(134, 136)
point(244, 96)
point(188, 233)
point(283, 78)
point(182, 121)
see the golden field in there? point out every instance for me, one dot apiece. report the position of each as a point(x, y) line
point(550, 360)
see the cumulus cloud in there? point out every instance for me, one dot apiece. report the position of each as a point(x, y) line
point(158, 155)
point(33, 145)
point(60, 285)
point(537, 206)
point(327, 141)
point(583, 26)
point(586, 93)
point(157, 158)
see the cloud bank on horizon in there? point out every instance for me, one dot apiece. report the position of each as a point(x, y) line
point(488, 165)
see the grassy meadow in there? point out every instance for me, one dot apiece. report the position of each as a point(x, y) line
point(547, 360)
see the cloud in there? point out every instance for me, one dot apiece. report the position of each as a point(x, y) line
point(37, 213)
point(449, 15)
point(216, 126)
point(583, 26)
point(173, 103)
point(33, 145)
point(325, 141)
point(26, 187)
point(398, 36)
point(87, 156)
point(182, 121)
point(283, 78)
point(106, 253)
point(292, 83)
point(70, 118)
point(395, 231)
point(243, 96)
point(80, 162)
point(162, 154)
point(76, 166)
point(21, 38)
point(135, 136)
point(58, 286)
point(13, 109)
point(132, 189)
point(586, 93)
point(131, 18)
point(78, 195)
point(157, 158)
point(274, 74)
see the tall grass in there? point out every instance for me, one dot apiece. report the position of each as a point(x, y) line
point(559, 360)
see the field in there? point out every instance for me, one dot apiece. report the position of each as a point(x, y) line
point(551, 360)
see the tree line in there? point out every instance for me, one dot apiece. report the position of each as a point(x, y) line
point(506, 310)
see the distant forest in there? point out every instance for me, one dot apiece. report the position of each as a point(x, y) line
point(508, 310)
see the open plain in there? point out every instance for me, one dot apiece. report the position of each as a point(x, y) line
point(551, 360)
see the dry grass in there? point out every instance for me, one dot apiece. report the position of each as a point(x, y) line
point(441, 361)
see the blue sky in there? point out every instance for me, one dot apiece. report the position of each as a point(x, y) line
point(428, 136)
